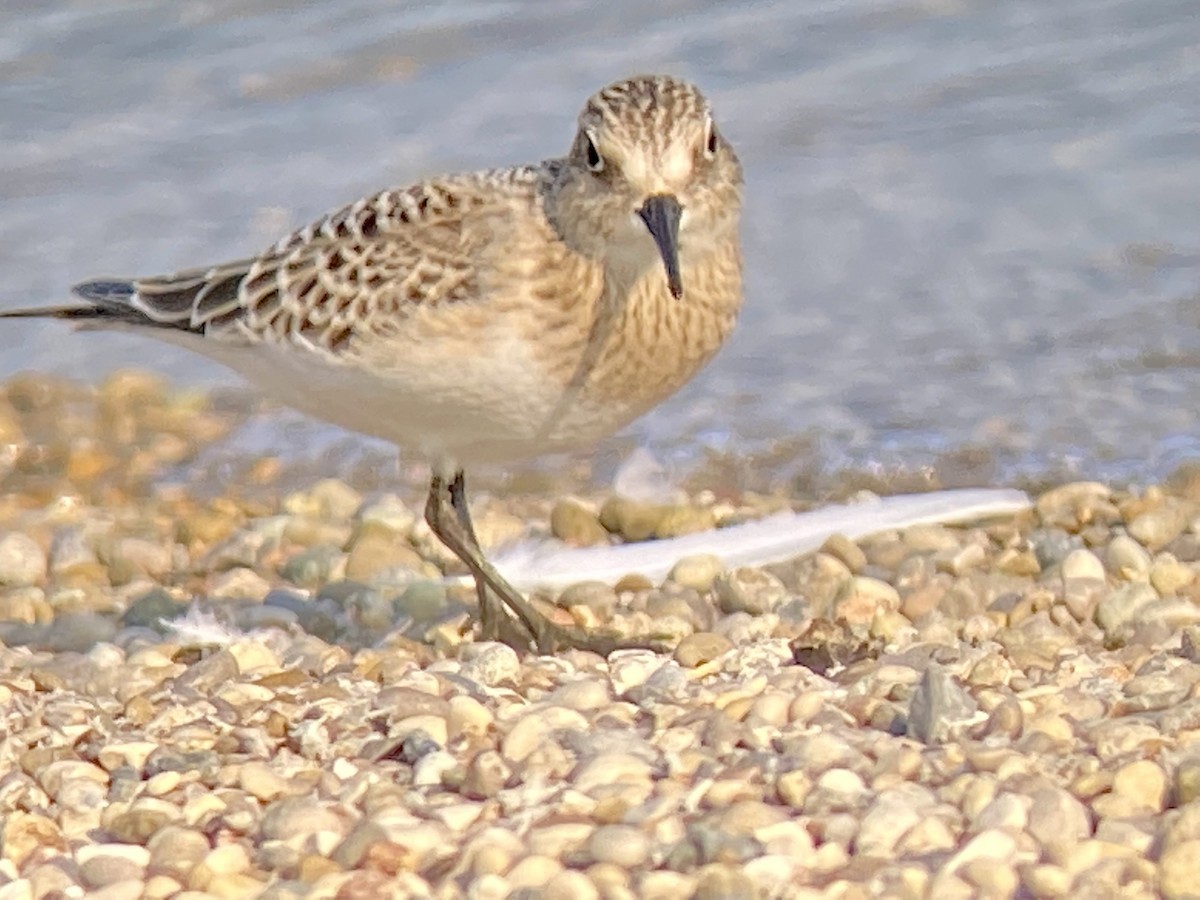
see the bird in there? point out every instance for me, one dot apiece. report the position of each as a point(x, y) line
point(484, 317)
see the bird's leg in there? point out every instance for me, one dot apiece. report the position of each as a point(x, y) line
point(453, 527)
point(494, 621)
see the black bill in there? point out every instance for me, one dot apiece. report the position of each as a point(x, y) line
point(661, 214)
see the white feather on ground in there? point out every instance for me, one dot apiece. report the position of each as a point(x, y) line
point(531, 564)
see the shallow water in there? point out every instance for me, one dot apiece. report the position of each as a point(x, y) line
point(969, 224)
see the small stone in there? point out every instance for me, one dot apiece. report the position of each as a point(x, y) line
point(937, 705)
point(1082, 563)
point(623, 845)
point(1169, 576)
point(239, 583)
point(211, 672)
point(992, 879)
point(490, 663)
point(328, 499)
point(1047, 882)
point(532, 873)
point(298, 817)
point(560, 840)
point(536, 729)
point(152, 609)
point(487, 774)
point(1006, 811)
point(132, 556)
point(228, 859)
point(1058, 820)
point(138, 824)
point(1142, 782)
point(22, 833)
point(596, 596)
point(22, 560)
point(104, 864)
point(631, 519)
point(432, 768)
point(423, 601)
point(583, 696)
point(720, 881)
point(697, 572)
point(1158, 527)
point(839, 789)
point(177, 849)
point(570, 885)
point(959, 560)
point(313, 566)
point(794, 787)
point(261, 781)
point(699, 648)
point(355, 846)
point(992, 845)
point(889, 818)
point(749, 590)
point(1072, 505)
point(849, 553)
point(389, 512)
point(1187, 780)
point(861, 599)
point(604, 771)
point(467, 716)
point(1121, 607)
point(1022, 563)
point(376, 551)
point(1127, 559)
point(573, 523)
point(1179, 870)
point(26, 605)
point(680, 520)
point(930, 835)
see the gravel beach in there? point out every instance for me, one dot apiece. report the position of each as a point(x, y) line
point(221, 681)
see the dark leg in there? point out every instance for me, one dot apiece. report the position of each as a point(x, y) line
point(451, 522)
point(489, 612)
point(495, 624)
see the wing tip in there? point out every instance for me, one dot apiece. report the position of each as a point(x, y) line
point(105, 290)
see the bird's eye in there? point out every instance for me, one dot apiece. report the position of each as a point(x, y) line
point(710, 138)
point(595, 161)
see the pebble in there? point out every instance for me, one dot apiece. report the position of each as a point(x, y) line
point(1179, 868)
point(938, 704)
point(861, 598)
point(1169, 576)
point(1080, 563)
point(22, 560)
point(377, 550)
point(752, 591)
point(846, 551)
point(596, 596)
point(1057, 820)
point(1046, 664)
point(697, 572)
point(575, 524)
point(1127, 559)
point(1156, 528)
point(1142, 782)
point(1123, 606)
point(490, 664)
point(622, 845)
point(700, 648)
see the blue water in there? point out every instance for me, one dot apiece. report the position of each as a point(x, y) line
point(968, 224)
